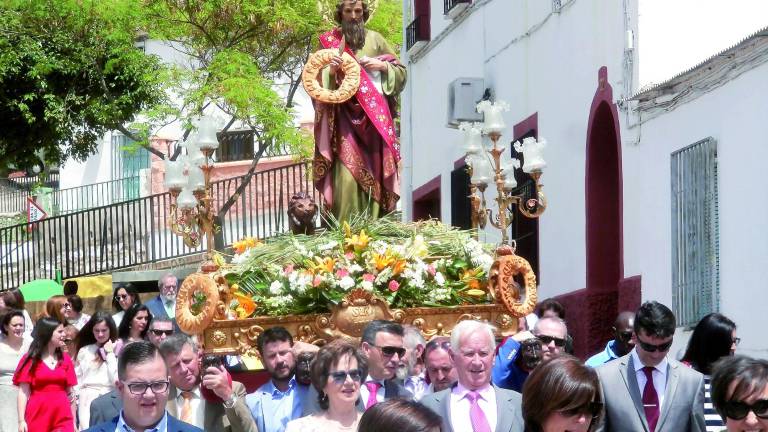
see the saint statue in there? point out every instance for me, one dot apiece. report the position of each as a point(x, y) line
point(356, 146)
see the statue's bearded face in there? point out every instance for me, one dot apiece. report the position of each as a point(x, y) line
point(353, 23)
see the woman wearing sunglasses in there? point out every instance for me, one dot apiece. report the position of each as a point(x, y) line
point(96, 364)
point(125, 297)
point(561, 395)
point(740, 393)
point(337, 371)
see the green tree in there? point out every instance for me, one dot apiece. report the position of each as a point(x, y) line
point(69, 72)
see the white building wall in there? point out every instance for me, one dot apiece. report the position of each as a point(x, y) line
point(735, 116)
point(538, 61)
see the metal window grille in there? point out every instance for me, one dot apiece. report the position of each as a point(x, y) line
point(695, 232)
point(127, 162)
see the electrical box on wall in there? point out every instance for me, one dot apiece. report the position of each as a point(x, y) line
point(463, 95)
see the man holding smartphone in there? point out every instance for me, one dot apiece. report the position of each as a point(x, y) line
point(185, 398)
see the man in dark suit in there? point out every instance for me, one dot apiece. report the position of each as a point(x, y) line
point(143, 387)
point(645, 391)
point(473, 403)
point(164, 305)
point(382, 344)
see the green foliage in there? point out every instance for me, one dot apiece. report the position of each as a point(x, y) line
point(388, 20)
point(69, 72)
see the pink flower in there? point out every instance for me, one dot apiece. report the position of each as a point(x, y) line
point(393, 285)
point(340, 273)
point(349, 255)
point(317, 281)
point(288, 269)
point(431, 270)
point(369, 277)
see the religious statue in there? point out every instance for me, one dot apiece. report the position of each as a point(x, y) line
point(356, 146)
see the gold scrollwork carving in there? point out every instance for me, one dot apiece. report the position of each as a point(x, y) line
point(219, 338)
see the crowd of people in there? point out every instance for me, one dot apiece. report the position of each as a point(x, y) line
point(134, 370)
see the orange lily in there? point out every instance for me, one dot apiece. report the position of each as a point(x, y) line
point(245, 305)
point(398, 267)
point(381, 261)
point(323, 265)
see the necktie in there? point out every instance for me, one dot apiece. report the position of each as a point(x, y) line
point(650, 399)
point(476, 414)
point(186, 407)
point(373, 388)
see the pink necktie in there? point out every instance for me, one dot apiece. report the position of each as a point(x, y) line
point(373, 388)
point(476, 414)
point(650, 399)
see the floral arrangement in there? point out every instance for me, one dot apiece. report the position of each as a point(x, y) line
point(408, 264)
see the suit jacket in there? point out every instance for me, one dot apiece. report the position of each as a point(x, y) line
point(220, 419)
point(156, 307)
point(682, 410)
point(392, 389)
point(508, 409)
point(105, 408)
point(174, 425)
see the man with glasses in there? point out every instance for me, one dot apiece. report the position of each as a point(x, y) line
point(439, 365)
point(186, 398)
point(143, 387)
point(621, 344)
point(647, 391)
point(518, 355)
point(164, 305)
point(382, 344)
point(159, 330)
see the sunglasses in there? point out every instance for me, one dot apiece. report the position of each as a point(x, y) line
point(546, 340)
point(736, 341)
point(437, 343)
point(340, 377)
point(592, 409)
point(625, 336)
point(653, 348)
point(162, 332)
point(121, 296)
point(389, 351)
point(738, 410)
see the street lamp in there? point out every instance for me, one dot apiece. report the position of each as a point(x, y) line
point(188, 180)
point(492, 163)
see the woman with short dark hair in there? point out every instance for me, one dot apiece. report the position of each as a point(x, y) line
point(337, 371)
point(740, 392)
point(562, 394)
point(14, 299)
point(400, 415)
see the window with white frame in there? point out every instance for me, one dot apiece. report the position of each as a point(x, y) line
point(695, 232)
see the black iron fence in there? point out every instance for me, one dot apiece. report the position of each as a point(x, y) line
point(50, 179)
point(450, 4)
point(418, 30)
point(136, 232)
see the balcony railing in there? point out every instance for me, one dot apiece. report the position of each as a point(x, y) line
point(26, 183)
point(455, 7)
point(136, 232)
point(417, 31)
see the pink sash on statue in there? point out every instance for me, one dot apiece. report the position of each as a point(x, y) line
point(373, 102)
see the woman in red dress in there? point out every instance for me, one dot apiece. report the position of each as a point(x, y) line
point(46, 377)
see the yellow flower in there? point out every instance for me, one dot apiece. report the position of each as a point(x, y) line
point(358, 241)
point(382, 261)
point(245, 305)
point(398, 267)
point(323, 265)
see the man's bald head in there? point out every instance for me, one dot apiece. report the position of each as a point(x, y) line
point(622, 332)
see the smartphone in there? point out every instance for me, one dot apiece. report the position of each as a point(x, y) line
point(210, 360)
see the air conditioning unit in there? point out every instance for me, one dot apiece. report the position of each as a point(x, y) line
point(463, 96)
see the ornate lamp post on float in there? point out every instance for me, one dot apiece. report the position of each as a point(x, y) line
point(188, 180)
point(492, 164)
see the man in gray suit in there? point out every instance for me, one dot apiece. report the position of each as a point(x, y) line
point(474, 404)
point(647, 391)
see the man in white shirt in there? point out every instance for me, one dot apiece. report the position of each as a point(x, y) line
point(228, 413)
point(647, 391)
point(411, 369)
point(474, 404)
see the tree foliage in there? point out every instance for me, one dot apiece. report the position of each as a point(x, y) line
point(69, 72)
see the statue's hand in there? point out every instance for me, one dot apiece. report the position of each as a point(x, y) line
point(373, 64)
point(335, 63)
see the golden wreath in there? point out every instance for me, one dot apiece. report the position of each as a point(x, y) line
point(322, 58)
point(189, 322)
point(502, 285)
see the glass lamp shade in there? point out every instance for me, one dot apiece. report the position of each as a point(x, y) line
point(186, 199)
point(206, 134)
point(533, 161)
point(473, 138)
point(196, 178)
point(493, 122)
point(174, 175)
point(195, 158)
point(509, 182)
point(481, 170)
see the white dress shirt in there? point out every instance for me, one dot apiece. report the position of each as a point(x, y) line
point(460, 406)
point(364, 390)
point(196, 403)
point(659, 377)
point(417, 385)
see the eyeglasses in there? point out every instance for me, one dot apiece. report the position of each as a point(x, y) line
point(737, 410)
point(653, 348)
point(736, 341)
point(592, 409)
point(161, 332)
point(546, 340)
point(389, 351)
point(139, 388)
point(67, 306)
point(340, 377)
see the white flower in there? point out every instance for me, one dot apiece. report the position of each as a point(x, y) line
point(346, 283)
point(354, 268)
point(330, 245)
point(441, 294)
point(276, 288)
point(439, 279)
point(241, 258)
point(366, 285)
